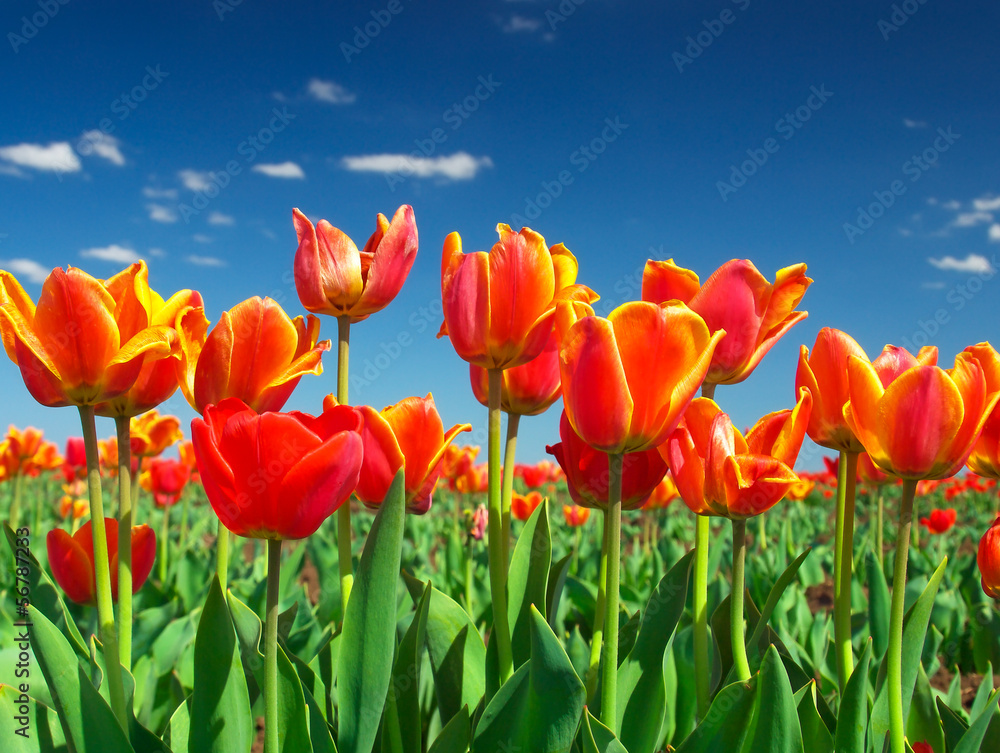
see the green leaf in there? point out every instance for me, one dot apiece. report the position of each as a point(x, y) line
point(725, 726)
point(954, 726)
point(406, 681)
point(775, 727)
point(775, 594)
point(539, 708)
point(878, 607)
point(914, 633)
point(454, 738)
point(816, 738)
point(641, 690)
point(369, 633)
point(177, 733)
point(557, 584)
point(220, 704)
point(87, 721)
point(597, 738)
point(924, 722)
point(24, 723)
point(853, 717)
point(983, 692)
point(527, 580)
point(973, 738)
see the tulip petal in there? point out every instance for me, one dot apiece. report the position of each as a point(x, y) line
point(391, 263)
point(861, 413)
point(688, 468)
point(383, 457)
point(320, 482)
point(780, 434)
point(664, 281)
point(565, 267)
point(755, 484)
point(143, 555)
point(790, 285)
point(970, 379)
point(19, 306)
point(72, 569)
point(466, 297)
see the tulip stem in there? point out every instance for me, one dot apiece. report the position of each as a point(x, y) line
point(740, 663)
point(102, 570)
point(612, 545)
point(164, 541)
point(184, 521)
point(894, 654)
point(762, 532)
point(344, 513)
point(124, 542)
point(879, 541)
point(702, 668)
point(15, 503)
point(470, 554)
point(271, 648)
point(498, 565)
point(513, 419)
point(843, 564)
point(597, 636)
point(222, 556)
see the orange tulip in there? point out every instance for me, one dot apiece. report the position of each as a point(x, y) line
point(737, 299)
point(988, 559)
point(151, 434)
point(257, 354)
point(24, 444)
point(499, 306)
point(87, 340)
point(824, 373)
point(166, 480)
point(523, 505)
point(801, 489)
point(410, 434)
point(185, 450)
point(28, 452)
point(664, 493)
point(72, 559)
point(985, 457)
point(719, 472)
point(474, 480)
point(9, 461)
point(920, 421)
point(869, 474)
point(73, 503)
point(576, 516)
point(528, 389)
point(627, 379)
point(332, 277)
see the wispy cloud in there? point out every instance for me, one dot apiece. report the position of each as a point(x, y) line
point(114, 252)
point(280, 170)
point(26, 269)
point(57, 157)
point(516, 24)
point(218, 218)
point(973, 263)
point(914, 123)
point(330, 92)
point(102, 145)
point(971, 219)
point(195, 180)
point(160, 213)
point(932, 285)
point(995, 232)
point(201, 238)
point(159, 193)
point(205, 261)
point(987, 203)
point(458, 166)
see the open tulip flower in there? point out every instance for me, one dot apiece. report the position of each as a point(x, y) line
point(276, 475)
point(87, 340)
point(410, 434)
point(587, 471)
point(985, 457)
point(166, 480)
point(523, 505)
point(575, 515)
point(824, 374)
point(257, 354)
point(332, 277)
point(151, 433)
point(528, 389)
point(72, 559)
point(988, 559)
point(939, 521)
point(916, 420)
point(735, 298)
point(24, 444)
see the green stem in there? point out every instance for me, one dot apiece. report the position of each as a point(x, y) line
point(612, 542)
point(702, 666)
point(15, 504)
point(102, 570)
point(498, 564)
point(843, 565)
point(894, 655)
point(271, 648)
point(124, 542)
point(344, 513)
point(762, 532)
point(469, 564)
point(184, 521)
point(513, 419)
point(46, 496)
point(161, 565)
point(576, 550)
point(736, 627)
point(597, 636)
point(879, 532)
point(222, 556)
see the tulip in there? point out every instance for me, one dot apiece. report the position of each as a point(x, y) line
point(474, 480)
point(576, 516)
point(522, 506)
point(478, 520)
point(150, 434)
point(332, 277)
point(257, 354)
point(939, 521)
point(528, 389)
point(185, 450)
point(24, 444)
point(737, 299)
point(72, 561)
point(988, 560)
point(406, 435)
point(75, 464)
point(457, 460)
point(801, 489)
point(166, 480)
point(984, 460)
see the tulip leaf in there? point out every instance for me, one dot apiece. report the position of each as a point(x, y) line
point(878, 606)
point(816, 738)
point(642, 697)
point(369, 633)
point(775, 725)
point(853, 717)
point(725, 725)
point(924, 723)
point(220, 704)
point(557, 584)
point(954, 726)
point(454, 738)
point(87, 721)
point(177, 733)
point(914, 632)
point(27, 732)
point(983, 693)
point(456, 651)
point(527, 579)
point(776, 592)
point(406, 683)
point(539, 707)
point(597, 738)
point(973, 738)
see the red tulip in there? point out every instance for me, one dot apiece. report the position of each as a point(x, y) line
point(824, 374)
point(536, 476)
point(988, 559)
point(575, 515)
point(166, 479)
point(939, 520)
point(276, 475)
point(985, 457)
point(72, 559)
point(528, 389)
point(523, 505)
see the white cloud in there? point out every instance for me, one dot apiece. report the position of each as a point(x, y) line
point(987, 203)
point(205, 261)
point(995, 232)
point(520, 23)
point(160, 213)
point(458, 166)
point(330, 91)
point(905, 232)
point(952, 205)
point(195, 180)
point(932, 285)
point(102, 145)
point(914, 123)
point(26, 269)
point(971, 219)
point(12, 170)
point(973, 263)
point(157, 252)
point(200, 238)
point(280, 170)
point(218, 218)
point(57, 157)
point(159, 193)
point(114, 253)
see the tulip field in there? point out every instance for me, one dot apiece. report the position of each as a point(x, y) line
point(360, 579)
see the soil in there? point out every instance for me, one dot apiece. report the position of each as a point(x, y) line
point(970, 684)
point(820, 596)
point(309, 577)
point(258, 741)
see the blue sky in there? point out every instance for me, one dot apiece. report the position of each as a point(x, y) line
point(699, 131)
